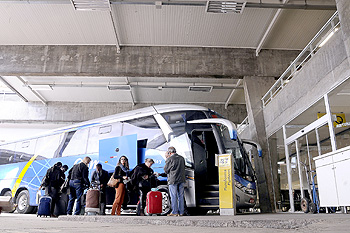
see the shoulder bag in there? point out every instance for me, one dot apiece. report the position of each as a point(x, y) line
point(113, 182)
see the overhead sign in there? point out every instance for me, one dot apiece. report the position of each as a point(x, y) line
point(338, 119)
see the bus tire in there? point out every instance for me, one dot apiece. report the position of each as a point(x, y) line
point(22, 202)
point(166, 202)
point(9, 193)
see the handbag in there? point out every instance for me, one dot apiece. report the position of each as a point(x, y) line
point(113, 182)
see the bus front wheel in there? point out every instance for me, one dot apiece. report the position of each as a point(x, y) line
point(166, 203)
point(22, 202)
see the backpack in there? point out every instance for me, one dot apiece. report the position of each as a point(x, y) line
point(55, 177)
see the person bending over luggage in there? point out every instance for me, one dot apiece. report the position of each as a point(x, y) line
point(175, 169)
point(121, 172)
point(52, 182)
point(142, 179)
point(78, 177)
point(100, 177)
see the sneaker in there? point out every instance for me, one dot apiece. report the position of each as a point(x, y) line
point(171, 214)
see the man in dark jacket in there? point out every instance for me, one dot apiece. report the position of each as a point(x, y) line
point(100, 177)
point(142, 179)
point(52, 182)
point(175, 169)
point(78, 177)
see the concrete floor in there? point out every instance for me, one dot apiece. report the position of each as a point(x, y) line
point(283, 222)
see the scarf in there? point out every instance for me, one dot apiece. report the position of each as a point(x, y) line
point(124, 169)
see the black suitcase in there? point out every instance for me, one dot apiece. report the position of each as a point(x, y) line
point(61, 205)
point(44, 208)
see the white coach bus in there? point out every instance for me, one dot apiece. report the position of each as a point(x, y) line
point(197, 133)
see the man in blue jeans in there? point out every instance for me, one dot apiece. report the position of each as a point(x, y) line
point(175, 170)
point(78, 177)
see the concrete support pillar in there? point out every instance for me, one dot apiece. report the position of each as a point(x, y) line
point(255, 88)
point(343, 7)
point(272, 149)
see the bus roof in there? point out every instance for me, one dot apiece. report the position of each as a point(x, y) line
point(129, 115)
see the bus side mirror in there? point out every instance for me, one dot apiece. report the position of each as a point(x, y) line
point(255, 144)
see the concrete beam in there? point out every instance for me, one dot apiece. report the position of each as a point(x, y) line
point(141, 61)
point(69, 112)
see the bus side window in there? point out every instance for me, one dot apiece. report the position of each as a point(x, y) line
point(7, 153)
point(47, 146)
point(76, 143)
point(145, 128)
point(24, 151)
point(105, 129)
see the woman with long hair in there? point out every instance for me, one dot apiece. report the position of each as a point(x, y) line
point(121, 172)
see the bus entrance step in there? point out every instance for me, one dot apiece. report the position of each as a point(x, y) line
point(212, 187)
point(210, 194)
point(209, 201)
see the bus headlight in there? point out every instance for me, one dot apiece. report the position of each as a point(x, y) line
point(245, 189)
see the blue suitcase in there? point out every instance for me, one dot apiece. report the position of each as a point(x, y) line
point(44, 208)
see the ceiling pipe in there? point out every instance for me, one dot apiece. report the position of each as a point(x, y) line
point(248, 5)
point(142, 85)
point(117, 41)
point(233, 91)
point(291, 6)
point(269, 29)
point(189, 3)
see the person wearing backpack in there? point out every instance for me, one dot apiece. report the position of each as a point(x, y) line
point(52, 183)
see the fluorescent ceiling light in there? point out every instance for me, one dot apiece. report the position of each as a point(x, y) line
point(328, 37)
point(343, 93)
point(91, 5)
point(200, 88)
point(119, 87)
point(40, 87)
point(225, 7)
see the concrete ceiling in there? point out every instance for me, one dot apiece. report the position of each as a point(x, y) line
point(56, 22)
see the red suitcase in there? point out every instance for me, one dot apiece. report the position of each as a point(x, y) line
point(154, 202)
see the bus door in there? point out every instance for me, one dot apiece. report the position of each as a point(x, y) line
point(206, 143)
point(204, 148)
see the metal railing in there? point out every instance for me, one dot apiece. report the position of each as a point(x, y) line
point(331, 26)
point(243, 125)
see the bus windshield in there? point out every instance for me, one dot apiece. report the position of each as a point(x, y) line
point(242, 165)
